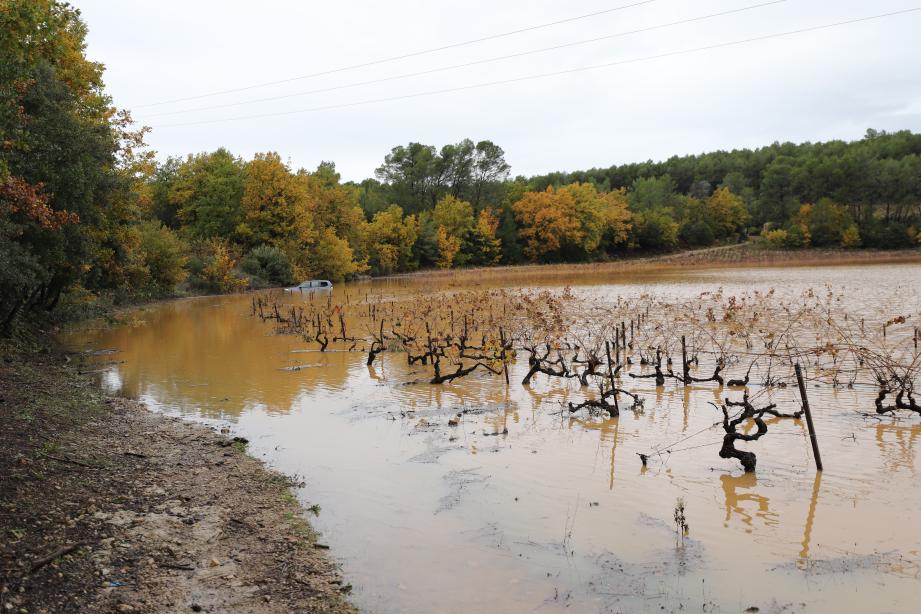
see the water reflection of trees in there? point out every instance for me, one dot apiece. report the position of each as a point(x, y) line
point(207, 354)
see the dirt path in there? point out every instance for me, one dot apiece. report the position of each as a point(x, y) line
point(105, 506)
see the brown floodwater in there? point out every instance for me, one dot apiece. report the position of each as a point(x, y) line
point(558, 513)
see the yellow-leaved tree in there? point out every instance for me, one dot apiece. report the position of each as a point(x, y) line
point(728, 212)
point(275, 207)
point(547, 222)
point(218, 273)
point(850, 238)
point(448, 246)
point(337, 206)
point(332, 257)
point(390, 240)
point(455, 222)
point(573, 221)
point(603, 216)
point(486, 247)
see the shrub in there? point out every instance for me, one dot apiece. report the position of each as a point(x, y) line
point(269, 265)
point(775, 238)
point(212, 268)
point(163, 256)
point(655, 230)
point(850, 238)
point(798, 236)
point(698, 233)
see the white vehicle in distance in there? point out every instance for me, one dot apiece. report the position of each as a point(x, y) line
point(313, 285)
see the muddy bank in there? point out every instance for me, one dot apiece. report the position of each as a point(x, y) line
point(105, 506)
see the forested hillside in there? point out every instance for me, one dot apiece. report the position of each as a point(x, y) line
point(87, 211)
point(866, 192)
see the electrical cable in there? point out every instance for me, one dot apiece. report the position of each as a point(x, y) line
point(402, 56)
point(548, 74)
point(468, 64)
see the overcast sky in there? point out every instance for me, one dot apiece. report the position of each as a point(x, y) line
point(831, 83)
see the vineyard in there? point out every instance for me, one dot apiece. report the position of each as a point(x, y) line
point(758, 352)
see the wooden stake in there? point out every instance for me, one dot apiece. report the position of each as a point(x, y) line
point(684, 361)
point(812, 437)
point(504, 363)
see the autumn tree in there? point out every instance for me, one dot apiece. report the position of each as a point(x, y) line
point(204, 193)
point(58, 155)
point(728, 211)
point(485, 245)
point(335, 205)
point(448, 247)
point(275, 207)
point(603, 217)
point(332, 257)
point(390, 240)
point(454, 223)
point(547, 222)
point(213, 267)
point(572, 221)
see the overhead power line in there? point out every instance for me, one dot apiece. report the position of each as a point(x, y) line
point(472, 63)
point(404, 56)
point(554, 73)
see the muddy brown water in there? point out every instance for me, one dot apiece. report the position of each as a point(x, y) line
point(559, 513)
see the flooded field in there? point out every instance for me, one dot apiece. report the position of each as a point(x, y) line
point(524, 505)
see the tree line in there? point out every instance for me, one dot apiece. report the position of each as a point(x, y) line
point(836, 193)
point(86, 210)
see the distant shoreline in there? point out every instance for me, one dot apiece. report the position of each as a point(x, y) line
point(728, 256)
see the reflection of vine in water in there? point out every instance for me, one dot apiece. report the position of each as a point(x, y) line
point(736, 501)
point(498, 420)
point(898, 450)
